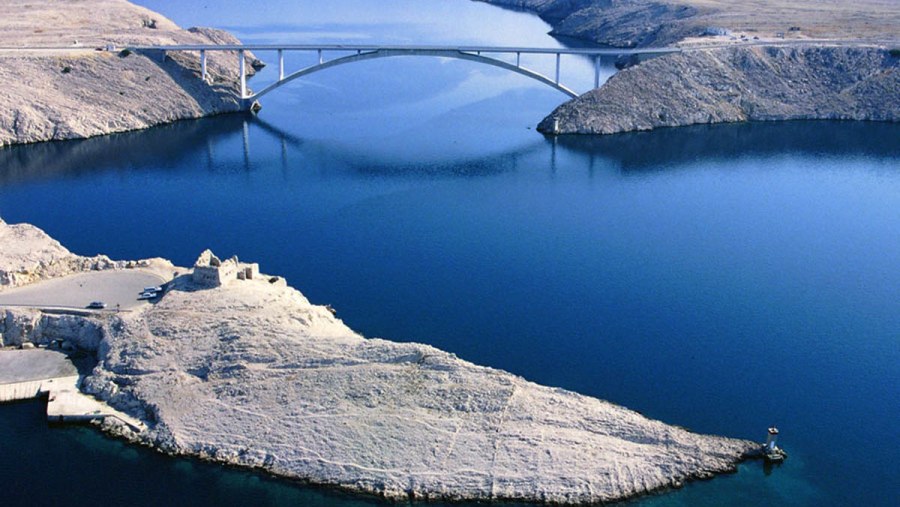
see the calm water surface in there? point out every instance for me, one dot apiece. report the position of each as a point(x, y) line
point(721, 278)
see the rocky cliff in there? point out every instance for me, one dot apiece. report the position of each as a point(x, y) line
point(619, 23)
point(642, 23)
point(250, 373)
point(738, 84)
point(76, 91)
point(778, 82)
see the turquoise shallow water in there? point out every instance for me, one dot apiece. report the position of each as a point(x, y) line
point(722, 278)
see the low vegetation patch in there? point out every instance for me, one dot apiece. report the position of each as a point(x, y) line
point(895, 52)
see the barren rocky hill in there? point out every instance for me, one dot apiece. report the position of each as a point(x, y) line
point(739, 84)
point(641, 23)
point(819, 75)
point(76, 91)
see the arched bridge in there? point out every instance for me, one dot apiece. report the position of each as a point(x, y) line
point(509, 58)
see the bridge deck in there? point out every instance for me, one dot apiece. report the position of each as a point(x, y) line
point(380, 47)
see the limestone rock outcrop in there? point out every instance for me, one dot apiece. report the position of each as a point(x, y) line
point(29, 255)
point(739, 84)
point(250, 373)
point(82, 92)
point(23, 325)
point(820, 81)
point(620, 23)
point(643, 23)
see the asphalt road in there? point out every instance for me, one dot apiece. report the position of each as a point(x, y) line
point(120, 287)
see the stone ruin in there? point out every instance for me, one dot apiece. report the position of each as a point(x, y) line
point(210, 271)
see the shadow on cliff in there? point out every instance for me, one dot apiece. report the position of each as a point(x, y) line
point(220, 95)
point(664, 148)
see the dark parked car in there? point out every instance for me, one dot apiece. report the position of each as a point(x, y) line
point(97, 305)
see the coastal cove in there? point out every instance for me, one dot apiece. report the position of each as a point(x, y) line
point(718, 278)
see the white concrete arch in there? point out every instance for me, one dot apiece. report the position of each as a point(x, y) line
point(388, 53)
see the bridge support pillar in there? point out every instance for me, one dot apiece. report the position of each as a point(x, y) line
point(596, 72)
point(203, 64)
point(242, 65)
point(557, 68)
point(280, 64)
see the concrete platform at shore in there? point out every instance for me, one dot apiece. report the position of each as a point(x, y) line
point(27, 374)
point(30, 365)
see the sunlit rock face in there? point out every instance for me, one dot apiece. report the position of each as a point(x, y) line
point(82, 91)
point(739, 84)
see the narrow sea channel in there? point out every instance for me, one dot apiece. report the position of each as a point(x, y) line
point(722, 278)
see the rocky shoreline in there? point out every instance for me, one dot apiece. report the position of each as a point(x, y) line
point(736, 85)
point(239, 368)
point(78, 91)
point(821, 80)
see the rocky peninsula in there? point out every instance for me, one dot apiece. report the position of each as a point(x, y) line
point(74, 88)
point(238, 367)
point(781, 61)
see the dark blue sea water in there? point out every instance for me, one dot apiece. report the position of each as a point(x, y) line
point(722, 278)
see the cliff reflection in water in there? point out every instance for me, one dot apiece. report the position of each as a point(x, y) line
point(165, 147)
point(205, 145)
point(672, 147)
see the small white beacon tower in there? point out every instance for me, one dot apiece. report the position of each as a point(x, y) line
point(771, 438)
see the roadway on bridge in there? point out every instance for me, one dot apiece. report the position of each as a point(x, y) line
point(116, 287)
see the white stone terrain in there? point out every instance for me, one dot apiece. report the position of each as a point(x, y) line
point(251, 373)
point(28, 255)
point(75, 91)
point(811, 82)
point(825, 60)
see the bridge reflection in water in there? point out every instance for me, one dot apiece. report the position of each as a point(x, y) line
point(168, 147)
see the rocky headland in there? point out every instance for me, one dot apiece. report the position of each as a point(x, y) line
point(824, 60)
point(74, 90)
point(237, 367)
point(762, 83)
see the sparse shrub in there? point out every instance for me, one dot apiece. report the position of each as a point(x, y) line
point(895, 52)
point(66, 69)
point(124, 53)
